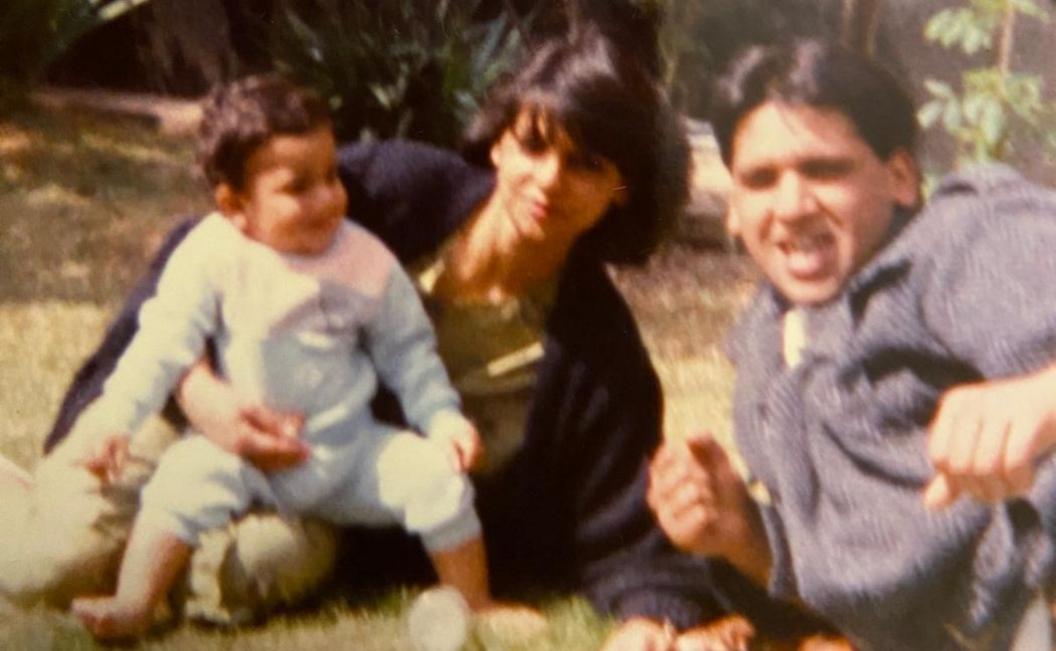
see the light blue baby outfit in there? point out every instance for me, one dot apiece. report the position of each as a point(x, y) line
point(308, 334)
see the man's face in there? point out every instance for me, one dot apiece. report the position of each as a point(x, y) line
point(811, 201)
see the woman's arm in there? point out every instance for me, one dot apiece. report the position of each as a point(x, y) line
point(266, 438)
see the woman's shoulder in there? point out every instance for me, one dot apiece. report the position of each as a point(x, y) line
point(404, 167)
point(410, 194)
point(590, 318)
point(395, 151)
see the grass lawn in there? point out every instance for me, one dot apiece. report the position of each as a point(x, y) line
point(84, 201)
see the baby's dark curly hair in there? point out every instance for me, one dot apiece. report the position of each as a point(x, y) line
point(239, 116)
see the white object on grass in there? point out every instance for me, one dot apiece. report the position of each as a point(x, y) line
point(439, 620)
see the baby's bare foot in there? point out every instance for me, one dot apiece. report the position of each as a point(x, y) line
point(825, 643)
point(109, 619)
point(514, 618)
point(732, 633)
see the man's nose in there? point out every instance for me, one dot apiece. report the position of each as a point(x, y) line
point(794, 198)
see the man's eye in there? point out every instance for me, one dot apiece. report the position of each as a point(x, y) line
point(826, 169)
point(758, 179)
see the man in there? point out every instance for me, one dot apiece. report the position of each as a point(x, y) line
point(868, 313)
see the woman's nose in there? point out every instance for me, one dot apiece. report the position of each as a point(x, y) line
point(794, 198)
point(548, 171)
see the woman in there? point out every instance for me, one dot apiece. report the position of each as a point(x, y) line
point(574, 162)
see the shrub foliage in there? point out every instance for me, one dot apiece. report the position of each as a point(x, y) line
point(393, 68)
point(33, 33)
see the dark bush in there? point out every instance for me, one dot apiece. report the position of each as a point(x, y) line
point(34, 33)
point(701, 36)
point(410, 68)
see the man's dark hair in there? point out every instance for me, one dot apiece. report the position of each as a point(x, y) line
point(822, 75)
point(611, 106)
point(239, 116)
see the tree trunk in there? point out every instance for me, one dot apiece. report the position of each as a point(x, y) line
point(1006, 39)
point(859, 24)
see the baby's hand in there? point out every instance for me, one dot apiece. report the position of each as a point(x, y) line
point(107, 456)
point(459, 437)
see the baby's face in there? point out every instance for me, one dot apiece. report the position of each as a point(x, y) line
point(293, 200)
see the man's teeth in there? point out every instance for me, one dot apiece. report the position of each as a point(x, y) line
point(806, 244)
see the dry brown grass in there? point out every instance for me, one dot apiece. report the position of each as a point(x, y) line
point(685, 300)
point(83, 202)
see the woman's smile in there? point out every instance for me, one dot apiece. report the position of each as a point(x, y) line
point(540, 210)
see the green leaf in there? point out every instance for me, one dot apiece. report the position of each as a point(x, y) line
point(938, 25)
point(993, 123)
point(952, 34)
point(974, 40)
point(1032, 9)
point(973, 107)
point(939, 88)
point(118, 8)
point(951, 117)
point(930, 113)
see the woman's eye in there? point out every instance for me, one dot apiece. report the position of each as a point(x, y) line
point(532, 142)
point(586, 161)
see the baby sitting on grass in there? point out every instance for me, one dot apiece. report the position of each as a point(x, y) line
point(306, 311)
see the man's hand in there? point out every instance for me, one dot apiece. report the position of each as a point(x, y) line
point(985, 438)
point(268, 439)
point(704, 507)
point(106, 457)
point(459, 436)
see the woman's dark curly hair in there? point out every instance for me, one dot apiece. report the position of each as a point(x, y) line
point(610, 106)
point(239, 116)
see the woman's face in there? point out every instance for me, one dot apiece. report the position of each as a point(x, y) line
point(551, 188)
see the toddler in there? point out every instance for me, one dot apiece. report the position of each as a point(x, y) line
point(307, 311)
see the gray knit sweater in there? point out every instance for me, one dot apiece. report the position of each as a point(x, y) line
point(964, 291)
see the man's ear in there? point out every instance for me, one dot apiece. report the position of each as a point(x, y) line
point(905, 178)
point(230, 203)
